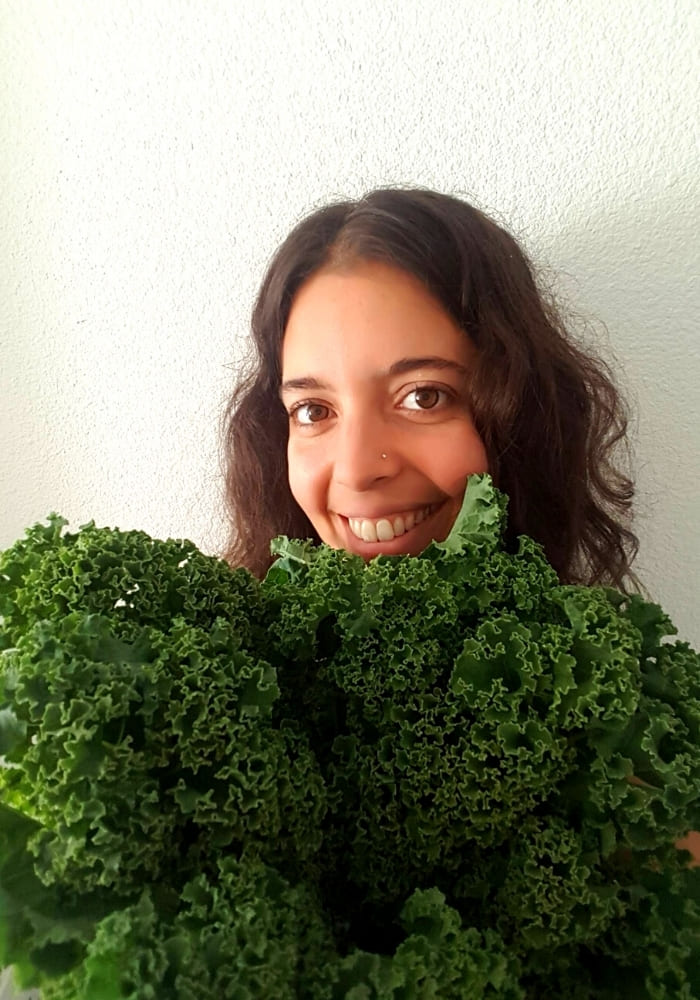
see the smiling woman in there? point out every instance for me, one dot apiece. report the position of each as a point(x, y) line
point(402, 344)
point(381, 437)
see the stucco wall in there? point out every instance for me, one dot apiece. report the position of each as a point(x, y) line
point(155, 153)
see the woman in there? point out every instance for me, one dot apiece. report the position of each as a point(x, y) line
point(401, 344)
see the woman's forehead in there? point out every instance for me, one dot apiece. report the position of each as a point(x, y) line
point(371, 312)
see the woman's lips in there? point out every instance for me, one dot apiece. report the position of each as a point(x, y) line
point(385, 529)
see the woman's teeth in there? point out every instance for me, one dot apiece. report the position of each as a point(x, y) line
point(385, 528)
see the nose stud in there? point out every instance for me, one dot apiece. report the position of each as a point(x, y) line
point(383, 454)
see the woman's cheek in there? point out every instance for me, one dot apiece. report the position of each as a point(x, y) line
point(302, 457)
point(303, 464)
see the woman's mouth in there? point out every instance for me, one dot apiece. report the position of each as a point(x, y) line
point(385, 529)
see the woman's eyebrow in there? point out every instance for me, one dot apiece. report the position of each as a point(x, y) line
point(304, 383)
point(403, 366)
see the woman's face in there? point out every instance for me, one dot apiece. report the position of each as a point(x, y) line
point(375, 379)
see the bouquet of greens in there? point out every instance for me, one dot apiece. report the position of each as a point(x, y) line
point(444, 776)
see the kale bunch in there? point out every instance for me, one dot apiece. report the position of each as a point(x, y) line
point(528, 748)
point(440, 776)
point(138, 734)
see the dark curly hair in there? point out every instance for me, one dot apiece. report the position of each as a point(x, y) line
point(548, 412)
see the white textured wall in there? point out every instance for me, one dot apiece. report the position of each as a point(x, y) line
point(154, 153)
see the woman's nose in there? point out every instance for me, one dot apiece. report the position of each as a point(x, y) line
point(364, 453)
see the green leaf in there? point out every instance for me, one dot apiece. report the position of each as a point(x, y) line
point(481, 517)
point(12, 731)
point(292, 556)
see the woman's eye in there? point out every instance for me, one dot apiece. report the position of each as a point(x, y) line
point(309, 413)
point(424, 398)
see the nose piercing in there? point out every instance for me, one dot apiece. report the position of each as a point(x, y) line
point(383, 454)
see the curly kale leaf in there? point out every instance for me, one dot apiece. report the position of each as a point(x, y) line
point(443, 739)
point(140, 757)
point(243, 933)
point(43, 929)
point(481, 521)
point(127, 576)
point(554, 892)
point(655, 951)
point(248, 933)
point(651, 953)
point(438, 958)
